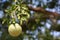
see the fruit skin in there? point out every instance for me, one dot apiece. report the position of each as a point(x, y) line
point(15, 30)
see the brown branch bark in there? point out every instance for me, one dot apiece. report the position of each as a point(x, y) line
point(40, 9)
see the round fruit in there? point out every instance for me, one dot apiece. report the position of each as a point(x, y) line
point(15, 30)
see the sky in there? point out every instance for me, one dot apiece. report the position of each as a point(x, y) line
point(1, 14)
point(3, 0)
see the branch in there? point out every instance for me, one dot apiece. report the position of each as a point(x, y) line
point(42, 10)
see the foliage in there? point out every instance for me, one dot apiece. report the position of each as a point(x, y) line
point(18, 12)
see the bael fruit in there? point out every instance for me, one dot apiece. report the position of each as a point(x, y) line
point(15, 30)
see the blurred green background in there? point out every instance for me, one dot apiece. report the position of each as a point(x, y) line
point(35, 25)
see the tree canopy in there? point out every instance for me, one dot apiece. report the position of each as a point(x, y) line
point(27, 19)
